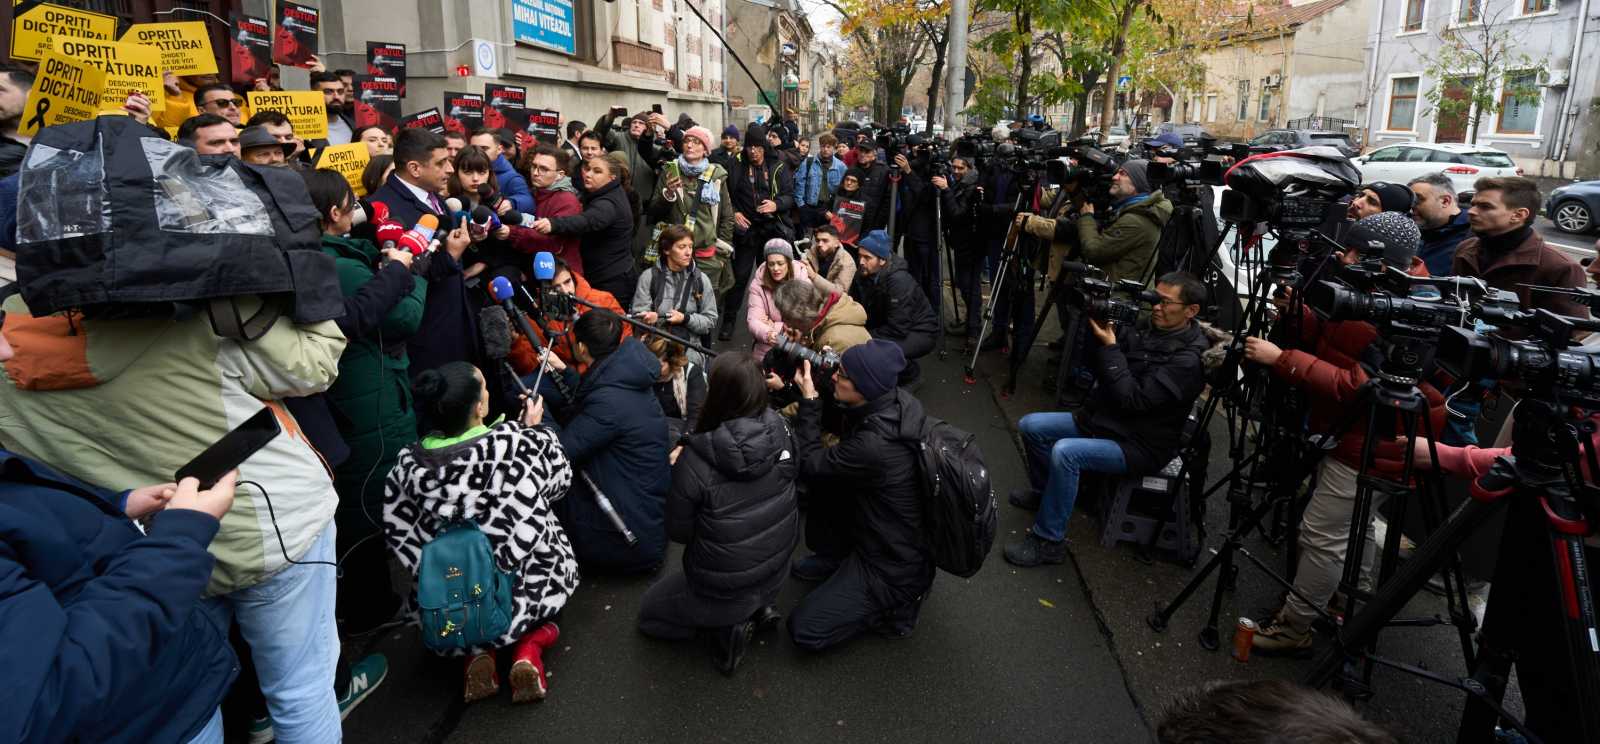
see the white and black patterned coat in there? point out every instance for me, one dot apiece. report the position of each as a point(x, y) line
point(503, 482)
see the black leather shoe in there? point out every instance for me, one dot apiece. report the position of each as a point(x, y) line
point(767, 618)
point(1035, 551)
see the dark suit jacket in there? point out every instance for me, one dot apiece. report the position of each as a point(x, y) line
point(449, 331)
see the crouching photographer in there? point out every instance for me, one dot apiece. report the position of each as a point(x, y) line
point(1148, 377)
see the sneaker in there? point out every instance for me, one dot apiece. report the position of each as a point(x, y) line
point(1035, 551)
point(261, 730)
point(729, 645)
point(1025, 498)
point(1280, 638)
point(814, 568)
point(365, 676)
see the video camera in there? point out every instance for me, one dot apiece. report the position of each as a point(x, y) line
point(1091, 176)
point(1200, 165)
point(1546, 360)
point(1388, 298)
point(892, 140)
point(1091, 294)
point(1293, 191)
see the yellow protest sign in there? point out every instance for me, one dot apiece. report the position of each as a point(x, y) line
point(305, 110)
point(348, 160)
point(35, 24)
point(185, 46)
point(63, 91)
point(129, 69)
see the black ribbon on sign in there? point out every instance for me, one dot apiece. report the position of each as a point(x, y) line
point(23, 7)
point(39, 110)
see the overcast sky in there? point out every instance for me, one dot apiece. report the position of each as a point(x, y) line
point(824, 20)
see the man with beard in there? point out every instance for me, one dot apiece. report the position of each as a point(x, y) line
point(14, 85)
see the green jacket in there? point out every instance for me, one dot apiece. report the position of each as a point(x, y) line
point(372, 395)
point(1125, 247)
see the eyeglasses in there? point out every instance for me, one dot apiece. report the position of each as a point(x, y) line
point(1165, 301)
point(226, 102)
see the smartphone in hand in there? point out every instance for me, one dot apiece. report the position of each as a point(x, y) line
point(231, 450)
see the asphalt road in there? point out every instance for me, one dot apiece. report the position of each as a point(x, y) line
point(1005, 656)
point(1579, 247)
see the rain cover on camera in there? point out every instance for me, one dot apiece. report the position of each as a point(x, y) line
point(1294, 172)
point(113, 218)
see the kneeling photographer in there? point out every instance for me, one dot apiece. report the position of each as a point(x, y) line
point(1148, 378)
point(1333, 374)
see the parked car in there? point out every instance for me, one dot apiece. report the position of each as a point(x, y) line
point(1574, 208)
point(1118, 137)
point(1463, 164)
point(1275, 140)
point(1191, 133)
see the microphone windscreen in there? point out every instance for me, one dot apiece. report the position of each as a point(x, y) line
point(495, 327)
point(453, 204)
point(413, 241)
point(512, 217)
point(388, 233)
point(485, 191)
point(426, 226)
point(544, 266)
point(500, 289)
point(482, 215)
point(380, 212)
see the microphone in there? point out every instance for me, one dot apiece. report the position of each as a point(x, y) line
point(502, 292)
point(388, 233)
point(456, 210)
point(419, 239)
point(544, 266)
point(484, 218)
point(380, 212)
point(487, 196)
point(358, 215)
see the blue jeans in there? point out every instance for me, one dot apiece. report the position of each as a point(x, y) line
point(1057, 453)
point(288, 623)
point(212, 733)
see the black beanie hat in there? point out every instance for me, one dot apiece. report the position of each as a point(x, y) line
point(1395, 197)
point(873, 367)
point(1396, 234)
point(755, 134)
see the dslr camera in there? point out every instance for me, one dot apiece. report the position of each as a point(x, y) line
point(785, 356)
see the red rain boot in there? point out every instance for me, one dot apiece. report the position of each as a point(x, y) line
point(481, 680)
point(527, 665)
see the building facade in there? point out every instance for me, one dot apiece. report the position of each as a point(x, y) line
point(578, 57)
point(775, 40)
point(1286, 64)
point(1548, 133)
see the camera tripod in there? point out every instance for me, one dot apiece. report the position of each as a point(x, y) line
point(1550, 510)
point(1027, 189)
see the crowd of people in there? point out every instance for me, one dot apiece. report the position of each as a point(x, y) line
point(595, 423)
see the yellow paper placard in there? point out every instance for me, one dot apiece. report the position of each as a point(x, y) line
point(185, 46)
point(63, 91)
point(35, 24)
point(129, 69)
point(348, 160)
point(305, 109)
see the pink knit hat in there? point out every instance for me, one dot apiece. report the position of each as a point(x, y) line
point(702, 134)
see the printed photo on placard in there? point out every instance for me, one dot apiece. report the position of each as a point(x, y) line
point(377, 102)
point(463, 112)
point(296, 40)
point(429, 119)
point(505, 107)
point(387, 60)
point(251, 49)
point(847, 219)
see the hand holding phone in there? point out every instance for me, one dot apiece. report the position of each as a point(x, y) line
point(216, 500)
point(229, 452)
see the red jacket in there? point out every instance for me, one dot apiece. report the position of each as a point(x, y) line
point(551, 203)
point(522, 358)
point(1332, 376)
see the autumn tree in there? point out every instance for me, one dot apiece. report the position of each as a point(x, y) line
point(892, 38)
point(1475, 62)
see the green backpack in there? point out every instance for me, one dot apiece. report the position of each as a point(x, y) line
point(464, 599)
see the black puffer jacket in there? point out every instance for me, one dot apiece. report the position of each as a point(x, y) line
point(875, 467)
point(897, 309)
point(733, 505)
point(1145, 386)
point(606, 229)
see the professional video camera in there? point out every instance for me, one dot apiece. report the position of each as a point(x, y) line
point(1201, 165)
point(892, 140)
point(1389, 298)
point(1091, 294)
point(1546, 360)
point(1091, 176)
point(1293, 191)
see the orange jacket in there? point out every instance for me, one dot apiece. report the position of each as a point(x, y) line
point(522, 357)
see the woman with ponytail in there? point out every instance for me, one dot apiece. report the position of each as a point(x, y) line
point(501, 477)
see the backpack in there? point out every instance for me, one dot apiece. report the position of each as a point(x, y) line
point(463, 598)
point(961, 516)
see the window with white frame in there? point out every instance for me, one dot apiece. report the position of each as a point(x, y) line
point(1266, 105)
point(1402, 104)
point(1520, 96)
point(1469, 11)
point(1529, 7)
point(1211, 107)
point(1244, 100)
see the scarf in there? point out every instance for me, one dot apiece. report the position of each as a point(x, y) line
point(709, 193)
point(1492, 247)
point(1128, 202)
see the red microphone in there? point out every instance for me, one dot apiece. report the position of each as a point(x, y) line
point(380, 213)
point(418, 239)
point(388, 233)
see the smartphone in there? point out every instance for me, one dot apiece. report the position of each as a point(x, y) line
point(655, 108)
point(231, 450)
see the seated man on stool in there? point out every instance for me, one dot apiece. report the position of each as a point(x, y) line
point(1147, 379)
